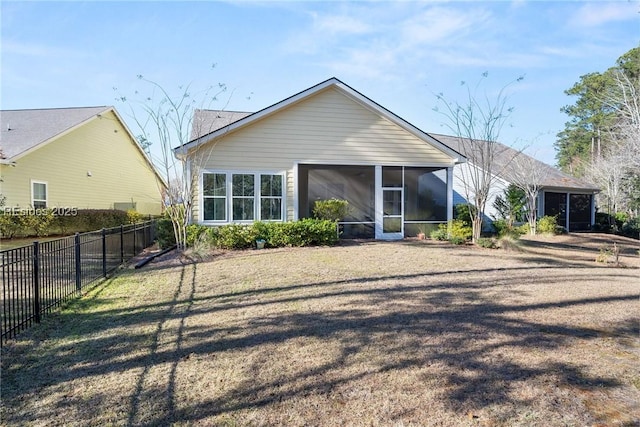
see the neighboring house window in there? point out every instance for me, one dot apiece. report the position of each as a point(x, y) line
point(228, 196)
point(271, 197)
point(39, 194)
point(214, 191)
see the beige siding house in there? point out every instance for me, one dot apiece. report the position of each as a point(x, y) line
point(82, 158)
point(328, 141)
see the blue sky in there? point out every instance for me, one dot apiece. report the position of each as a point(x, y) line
point(400, 54)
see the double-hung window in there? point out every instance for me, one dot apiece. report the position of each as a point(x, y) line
point(39, 194)
point(242, 196)
point(214, 192)
point(271, 197)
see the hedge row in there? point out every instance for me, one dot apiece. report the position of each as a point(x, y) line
point(43, 222)
point(305, 232)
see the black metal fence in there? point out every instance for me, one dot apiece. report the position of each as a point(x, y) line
point(40, 277)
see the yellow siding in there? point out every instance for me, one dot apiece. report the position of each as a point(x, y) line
point(328, 127)
point(101, 148)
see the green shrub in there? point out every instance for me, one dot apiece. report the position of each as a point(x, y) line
point(164, 233)
point(486, 242)
point(523, 229)
point(332, 209)
point(38, 221)
point(194, 232)
point(134, 216)
point(459, 230)
point(463, 211)
point(306, 232)
point(547, 225)
point(457, 240)
point(631, 228)
point(454, 231)
point(439, 234)
point(10, 225)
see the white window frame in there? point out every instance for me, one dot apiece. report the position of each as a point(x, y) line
point(46, 194)
point(226, 198)
point(257, 194)
point(283, 189)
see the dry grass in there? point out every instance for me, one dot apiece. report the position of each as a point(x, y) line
point(376, 334)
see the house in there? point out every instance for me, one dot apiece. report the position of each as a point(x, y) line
point(328, 141)
point(561, 195)
point(75, 158)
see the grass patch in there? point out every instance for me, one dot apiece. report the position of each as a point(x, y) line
point(404, 333)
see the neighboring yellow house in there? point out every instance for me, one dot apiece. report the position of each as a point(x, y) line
point(324, 142)
point(84, 158)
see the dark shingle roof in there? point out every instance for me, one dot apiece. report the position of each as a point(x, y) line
point(503, 161)
point(22, 130)
point(207, 121)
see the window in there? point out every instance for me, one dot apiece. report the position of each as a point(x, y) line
point(39, 194)
point(271, 197)
point(214, 191)
point(229, 196)
point(243, 193)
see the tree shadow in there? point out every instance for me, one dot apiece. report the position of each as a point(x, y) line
point(406, 312)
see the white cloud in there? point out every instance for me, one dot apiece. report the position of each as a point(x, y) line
point(594, 14)
point(339, 25)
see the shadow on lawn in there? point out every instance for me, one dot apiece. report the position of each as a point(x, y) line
point(442, 306)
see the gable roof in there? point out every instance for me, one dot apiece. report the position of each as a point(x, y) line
point(503, 161)
point(237, 120)
point(23, 130)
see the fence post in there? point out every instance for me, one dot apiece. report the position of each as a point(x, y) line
point(104, 253)
point(121, 243)
point(134, 239)
point(78, 263)
point(36, 281)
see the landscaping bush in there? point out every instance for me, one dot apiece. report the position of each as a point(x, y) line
point(164, 233)
point(462, 212)
point(502, 228)
point(487, 242)
point(455, 231)
point(631, 228)
point(194, 232)
point(547, 225)
point(458, 229)
point(305, 232)
point(332, 209)
point(440, 234)
point(10, 225)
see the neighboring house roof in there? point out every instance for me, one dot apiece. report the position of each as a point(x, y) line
point(553, 178)
point(207, 121)
point(231, 121)
point(23, 131)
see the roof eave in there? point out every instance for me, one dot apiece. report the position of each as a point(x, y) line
point(457, 158)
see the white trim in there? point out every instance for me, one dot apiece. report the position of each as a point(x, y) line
point(296, 188)
point(46, 190)
point(449, 193)
point(229, 195)
point(346, 90)
point(378, 201)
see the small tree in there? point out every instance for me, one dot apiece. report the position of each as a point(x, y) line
point(477, 124)
point(528, 174)
point(167, 120)
point(510, 205)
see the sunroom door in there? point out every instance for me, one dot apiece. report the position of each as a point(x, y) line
point(391, 219)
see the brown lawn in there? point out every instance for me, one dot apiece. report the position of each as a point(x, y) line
point(367, 333)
